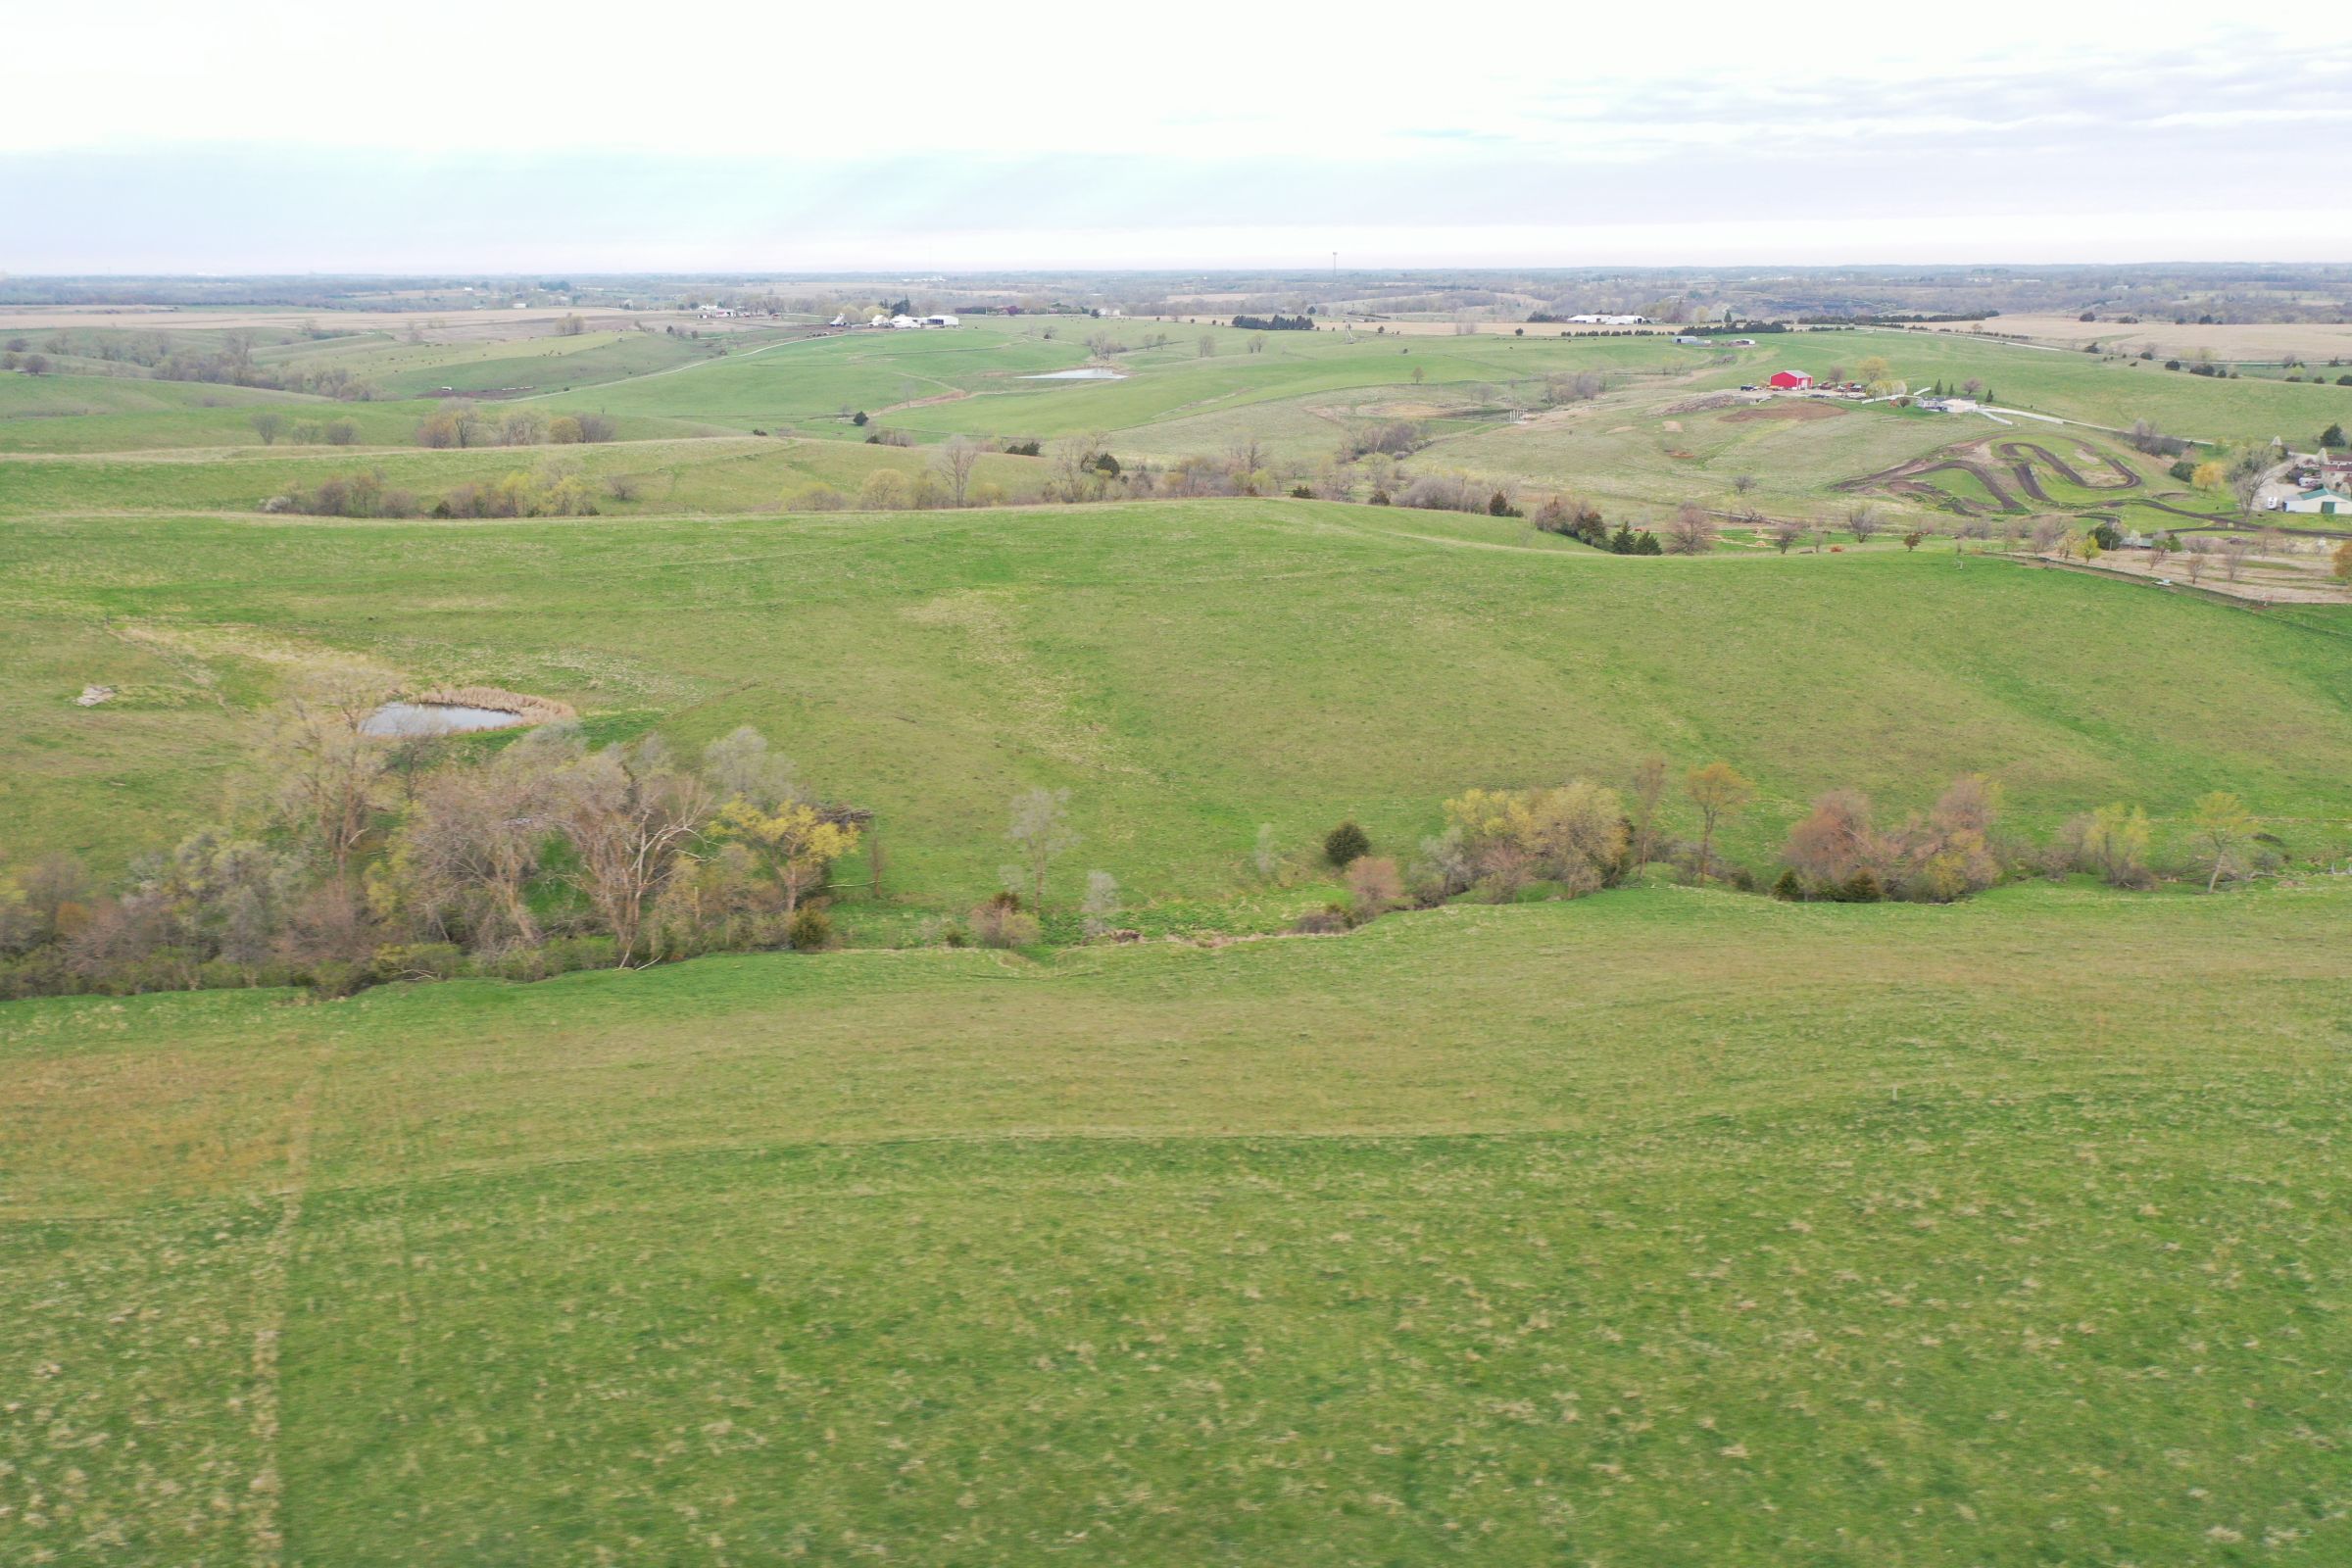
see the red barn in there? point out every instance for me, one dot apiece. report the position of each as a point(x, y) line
point(1790, 381)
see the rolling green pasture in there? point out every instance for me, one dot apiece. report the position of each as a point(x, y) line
point(2095, 390)
point(128, 414)
point(527, 365)
point(738, 474)
point(1188, 670)
point(872, 371)
point(1668, 1227)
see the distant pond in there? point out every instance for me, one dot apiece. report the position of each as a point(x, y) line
point(1090, 373)
point(406, 719)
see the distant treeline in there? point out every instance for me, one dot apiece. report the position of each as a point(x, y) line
point(1275, 323)
point(1893, 319)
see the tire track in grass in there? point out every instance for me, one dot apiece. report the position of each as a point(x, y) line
point(265, 1525)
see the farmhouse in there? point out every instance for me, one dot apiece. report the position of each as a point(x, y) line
point(1790, 381)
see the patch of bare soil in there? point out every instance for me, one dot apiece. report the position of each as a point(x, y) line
point(1786, 409)
point(2263, 579)
point(1715, 399)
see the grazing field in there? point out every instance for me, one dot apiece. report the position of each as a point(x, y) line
point(2098, 391)
point(1489, 405)
point(1668, 1227)
point(721, 475)
point(1188, 670)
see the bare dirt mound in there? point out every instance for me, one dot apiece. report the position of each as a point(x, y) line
point(1711, 399)
point(1798, 411)
point(1911, 479)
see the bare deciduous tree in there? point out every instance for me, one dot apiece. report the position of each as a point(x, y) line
point(630, 818)
point(1648, 789)
point(1719, 790)
point(321, 772)
point(741, 764)
point(1041, 830)
point(1690, 531)
point(481, 831)
point(1102, 903)
point(957, 461)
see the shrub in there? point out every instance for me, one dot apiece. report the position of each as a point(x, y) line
point(1329, 920)
point(1861, 888)
point(1787, 888)
point(810, 931)
point(337, 977)
point(1001, 923)
point(1344, 844)
point(1374, 886)
point(417, 961)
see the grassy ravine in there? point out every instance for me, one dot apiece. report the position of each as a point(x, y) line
point(1188, 670)
point(1665, 1228)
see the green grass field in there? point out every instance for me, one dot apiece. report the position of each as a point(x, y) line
point(721, 475)
point(1296, 397)
point(1668, 1227)
point(1189, 670)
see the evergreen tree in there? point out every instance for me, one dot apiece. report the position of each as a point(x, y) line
point(1346, 844)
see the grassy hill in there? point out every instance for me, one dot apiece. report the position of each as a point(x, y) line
point(1668, 1227)
point(723, 474)
point(1188, 670)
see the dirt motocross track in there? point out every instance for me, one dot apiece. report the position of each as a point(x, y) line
point(2006, 470)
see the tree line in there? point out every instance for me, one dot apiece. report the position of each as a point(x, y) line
point(346, 858)
point(1571, 840)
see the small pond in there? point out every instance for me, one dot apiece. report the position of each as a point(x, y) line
point(1093, 372)
point(405, 719)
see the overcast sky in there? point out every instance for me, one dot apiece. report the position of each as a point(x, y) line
point(239, 137)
